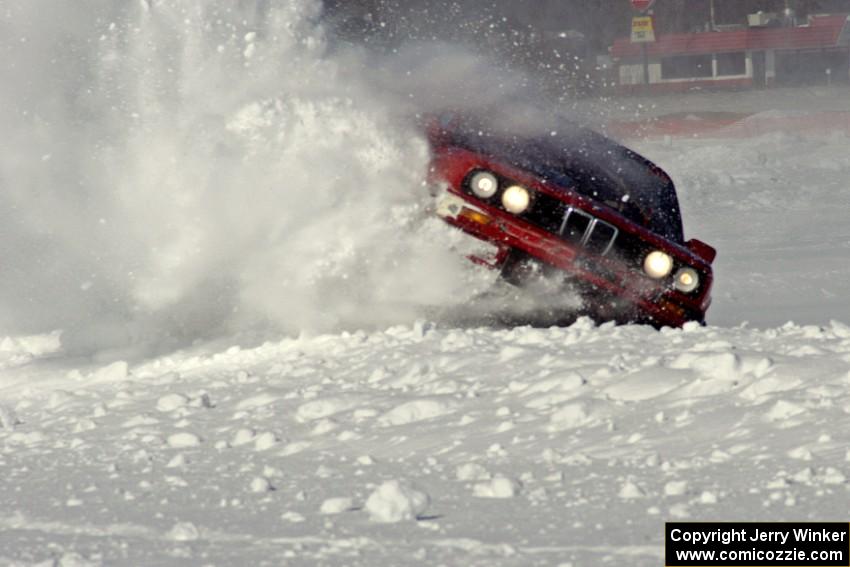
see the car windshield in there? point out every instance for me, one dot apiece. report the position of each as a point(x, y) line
point(590, 164)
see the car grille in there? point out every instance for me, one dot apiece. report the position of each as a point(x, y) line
point(574, 225)
point(587, 231)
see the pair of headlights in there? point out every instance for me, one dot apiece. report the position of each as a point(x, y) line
point(659, 265)
point(515, 199)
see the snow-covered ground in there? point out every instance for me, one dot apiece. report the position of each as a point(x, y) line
point(791, 100)
point(513, 446)
point(409, 442)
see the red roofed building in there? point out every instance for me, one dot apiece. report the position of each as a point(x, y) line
point(739, 56)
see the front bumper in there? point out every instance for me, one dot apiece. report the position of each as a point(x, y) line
point(612, 290)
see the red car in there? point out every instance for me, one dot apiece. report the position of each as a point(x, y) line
point(576, 206)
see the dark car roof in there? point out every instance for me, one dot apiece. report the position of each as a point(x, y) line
point(589, 163)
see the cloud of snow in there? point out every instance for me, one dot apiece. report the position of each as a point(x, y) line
point(174, 169)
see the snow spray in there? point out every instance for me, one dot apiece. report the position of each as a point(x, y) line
point(178, 169)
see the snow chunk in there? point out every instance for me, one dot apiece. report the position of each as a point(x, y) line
point(708, 497)
point(183, 531)
point(333, 506)
point(498, 487)
point(242, 437)
point(411, 412)
point(171, 402)
point(115, 372)
point(802, 453)
point(723, 366)
point(320, 409)
point(257, 401)
point(183, 440)
point(294, 447)
point(28, 439)
point(783, 410)
point(509, 353)
point(395, 501)
point(630, 490)
point(471, 472)
point(140, 421)
point(833, 476)
point(292, 517)
point(176, 462)
point(365, 460)
point(680, 510)
point(570, 416)
point(324, 426)
point(83, 425)
point(265, 441)
point(261, 484)
point(202, 401)
point(676, 487)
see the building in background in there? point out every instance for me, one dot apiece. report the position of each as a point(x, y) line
point(766, 51)
point(564, 46)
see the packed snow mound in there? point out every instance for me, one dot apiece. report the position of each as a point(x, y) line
point(575, 448)
point(395, 501)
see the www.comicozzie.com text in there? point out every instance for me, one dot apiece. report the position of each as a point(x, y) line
point(727, 536)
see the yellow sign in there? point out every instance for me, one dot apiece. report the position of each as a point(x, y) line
point(643, 29)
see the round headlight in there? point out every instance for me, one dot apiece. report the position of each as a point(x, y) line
point(516, 199)
point(658, 265)
point(686, 280)
point(484, 184)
